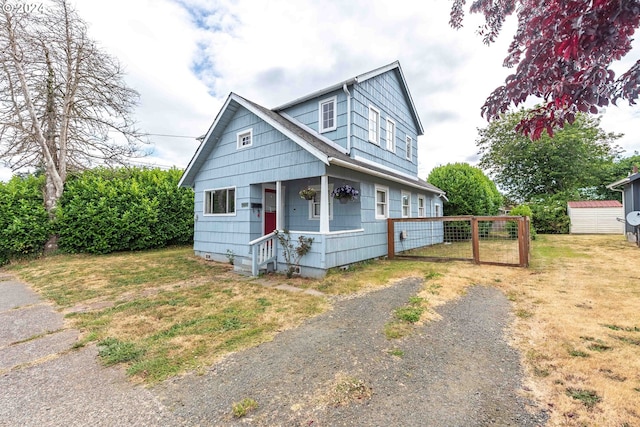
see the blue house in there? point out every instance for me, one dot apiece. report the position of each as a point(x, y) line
point(630, 189)
point(253, 163)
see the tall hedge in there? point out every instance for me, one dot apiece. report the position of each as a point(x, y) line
point(24, 223)
point(108, 210)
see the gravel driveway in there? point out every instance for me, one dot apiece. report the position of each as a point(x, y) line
point(458, 371)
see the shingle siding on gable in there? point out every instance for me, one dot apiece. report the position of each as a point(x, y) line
point(307, 114)
point(385, 93)
point(271, 157)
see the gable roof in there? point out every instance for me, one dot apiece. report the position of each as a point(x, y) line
point(322, 148)
point(394, 66)
point(595, 204)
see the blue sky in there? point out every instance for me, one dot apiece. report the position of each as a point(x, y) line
point(185, 56)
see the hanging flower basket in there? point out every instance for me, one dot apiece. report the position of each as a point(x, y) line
point(345, 193)
point(307, 193)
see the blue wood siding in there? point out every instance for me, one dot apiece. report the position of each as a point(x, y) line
point(227, 166)
point(345, 216)
point(384, 93)
point(308, 114)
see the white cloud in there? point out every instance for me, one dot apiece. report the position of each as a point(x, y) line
point(185, 56)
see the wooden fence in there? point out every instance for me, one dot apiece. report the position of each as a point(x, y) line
point(497, 240)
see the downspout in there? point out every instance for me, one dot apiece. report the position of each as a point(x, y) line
point(346, 91)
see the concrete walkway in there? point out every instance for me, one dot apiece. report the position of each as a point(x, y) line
point(44, 381)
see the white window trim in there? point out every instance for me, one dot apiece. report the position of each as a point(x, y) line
point(408, 147)
point(386, 208)
point(235, 201)
point(312, 217)
point(391, 145)
point(424, 206)
point(402, 205)
point(435, 206)
point(239, 145)
point(375, 140)
point(334, 100)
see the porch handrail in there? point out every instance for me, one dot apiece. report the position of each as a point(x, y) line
point(263, 250)
point(261, 239)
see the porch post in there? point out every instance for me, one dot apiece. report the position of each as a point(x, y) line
point(279, 206)
point(324, 204)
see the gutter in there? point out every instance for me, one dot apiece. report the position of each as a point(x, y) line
point(368, 171)
point(346, 91)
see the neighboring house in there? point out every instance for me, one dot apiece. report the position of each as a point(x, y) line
point(630, 189)
point(253, 162)
point(595, 217)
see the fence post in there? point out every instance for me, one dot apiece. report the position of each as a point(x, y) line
point(475, 240)
point(523, 241)
point(391, 246)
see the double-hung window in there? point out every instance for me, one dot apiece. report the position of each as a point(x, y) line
point(421, 207)
point(382, 202)
point(374, 125)
point(406, 205)
point(408, 147)
point(245, 138)
point(391, 135)
point(327, 115)
point(220, 202)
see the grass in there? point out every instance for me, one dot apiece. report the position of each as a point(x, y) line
point(242, 408)
point(164, 312)
point(579, 296)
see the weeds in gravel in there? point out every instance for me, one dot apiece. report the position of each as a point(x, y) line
point(404, 317)
point(347, 390)
point(396, 352)
point(242, 408)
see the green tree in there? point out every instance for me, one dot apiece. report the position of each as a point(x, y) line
point(573, 160)
point(469, 190)
point(620, 168)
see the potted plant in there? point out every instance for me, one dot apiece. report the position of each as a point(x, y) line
point(307, 193)
point(344, 193)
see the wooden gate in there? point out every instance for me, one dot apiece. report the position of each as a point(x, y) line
point(498, 240)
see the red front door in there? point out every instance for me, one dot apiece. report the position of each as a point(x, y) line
point(269, 211)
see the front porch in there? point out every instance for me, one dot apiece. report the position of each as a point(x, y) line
point(334, 225)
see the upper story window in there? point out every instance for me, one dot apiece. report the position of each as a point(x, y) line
point(327, 111)
point(391, 135)
point(374, 125)
point(408, 148)
point(437, 212)
point(245, 138)
point(220, 202)
point(382, 202)
point(406, 204)
point(422, 212)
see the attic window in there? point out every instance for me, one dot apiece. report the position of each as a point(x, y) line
point(408, 149)
point(245, 138)
point(327, 113)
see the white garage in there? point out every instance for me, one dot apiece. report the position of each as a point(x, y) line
point(596, 217)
